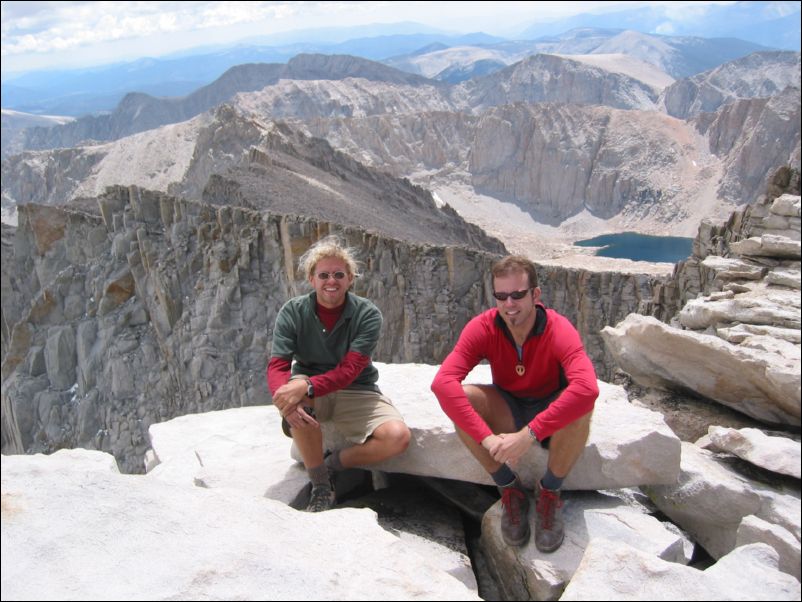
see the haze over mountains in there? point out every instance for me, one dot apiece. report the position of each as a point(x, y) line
point(742, 28)
point(588, 131)
point(561, 137)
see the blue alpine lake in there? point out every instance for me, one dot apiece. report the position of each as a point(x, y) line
point(640, 247)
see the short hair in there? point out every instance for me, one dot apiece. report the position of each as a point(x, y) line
point(515, 264)
point(330, 246)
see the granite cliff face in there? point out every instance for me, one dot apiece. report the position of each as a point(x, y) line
point(759, 75)
point(753, 137)
point(160, 307)
point(547, 78)
point(556, 160)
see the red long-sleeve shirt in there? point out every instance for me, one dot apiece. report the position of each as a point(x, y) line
point(278, 373)
point(553, 347)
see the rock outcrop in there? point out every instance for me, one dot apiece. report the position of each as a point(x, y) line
point(740, 345)
point(758, 75)
point(760, 383)
point(733, 338)
point(692, 278)
point(777, 454)
point(738, 294)
point(556, 79)
point(160, 307)
point(643, 452)
point(695, 501)
point(618, 571)
point(237, 458)
point(64, 514)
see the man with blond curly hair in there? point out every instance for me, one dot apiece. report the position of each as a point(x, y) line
point(330, 334)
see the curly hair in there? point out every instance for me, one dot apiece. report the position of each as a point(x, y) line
point(330, 246)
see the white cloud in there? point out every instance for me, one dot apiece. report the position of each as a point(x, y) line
point(39, 35)
point(47, 26)
point(665, 29)
point(65, 25)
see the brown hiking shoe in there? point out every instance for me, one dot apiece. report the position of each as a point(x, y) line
point(515, 514)
point(322, 499)
point(549, 528)
point(323, 496)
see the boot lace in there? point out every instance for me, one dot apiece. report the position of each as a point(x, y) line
point(547, 504)
point(511, 502)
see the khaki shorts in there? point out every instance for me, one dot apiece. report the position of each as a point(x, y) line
point(355, 413)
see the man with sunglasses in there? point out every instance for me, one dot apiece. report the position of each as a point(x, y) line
point(544, 389)
point(331, 334)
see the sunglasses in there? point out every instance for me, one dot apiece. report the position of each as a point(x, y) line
point(327, 275)
point(517, 295)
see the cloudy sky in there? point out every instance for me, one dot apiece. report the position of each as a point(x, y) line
point(38, 35)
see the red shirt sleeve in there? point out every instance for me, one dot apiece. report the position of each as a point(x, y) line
point(340, 376)
point(579, 396)
point(447, 384)
point(278, 373)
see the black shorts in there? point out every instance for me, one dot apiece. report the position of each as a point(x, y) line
point(524, 409)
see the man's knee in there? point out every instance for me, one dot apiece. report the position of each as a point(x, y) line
point(578, 429)
point(304, 430)
point(396, 436)
point(476, 394)
point(491, 407)
point(483, 398)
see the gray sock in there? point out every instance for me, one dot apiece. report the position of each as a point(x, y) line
point(549, 481)
point(333, 461)
point(319, 475)
point(503, 476)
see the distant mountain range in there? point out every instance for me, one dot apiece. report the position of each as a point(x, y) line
point(85, 91)
point(772, 24)
point(558, 136)
point(740, 29)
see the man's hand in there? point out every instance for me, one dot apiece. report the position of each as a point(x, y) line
point(289, 395)
point(299, 419)
point(508, 448)
point(491, 442)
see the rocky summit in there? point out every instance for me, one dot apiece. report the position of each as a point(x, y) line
point(134, 330)
point(141, 284)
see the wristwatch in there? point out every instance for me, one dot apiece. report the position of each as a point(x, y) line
point(531, 433)
point(310, 390)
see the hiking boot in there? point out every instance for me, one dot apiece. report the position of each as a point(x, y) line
point(549, 528)
point(515, 514)
point(321, 499)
